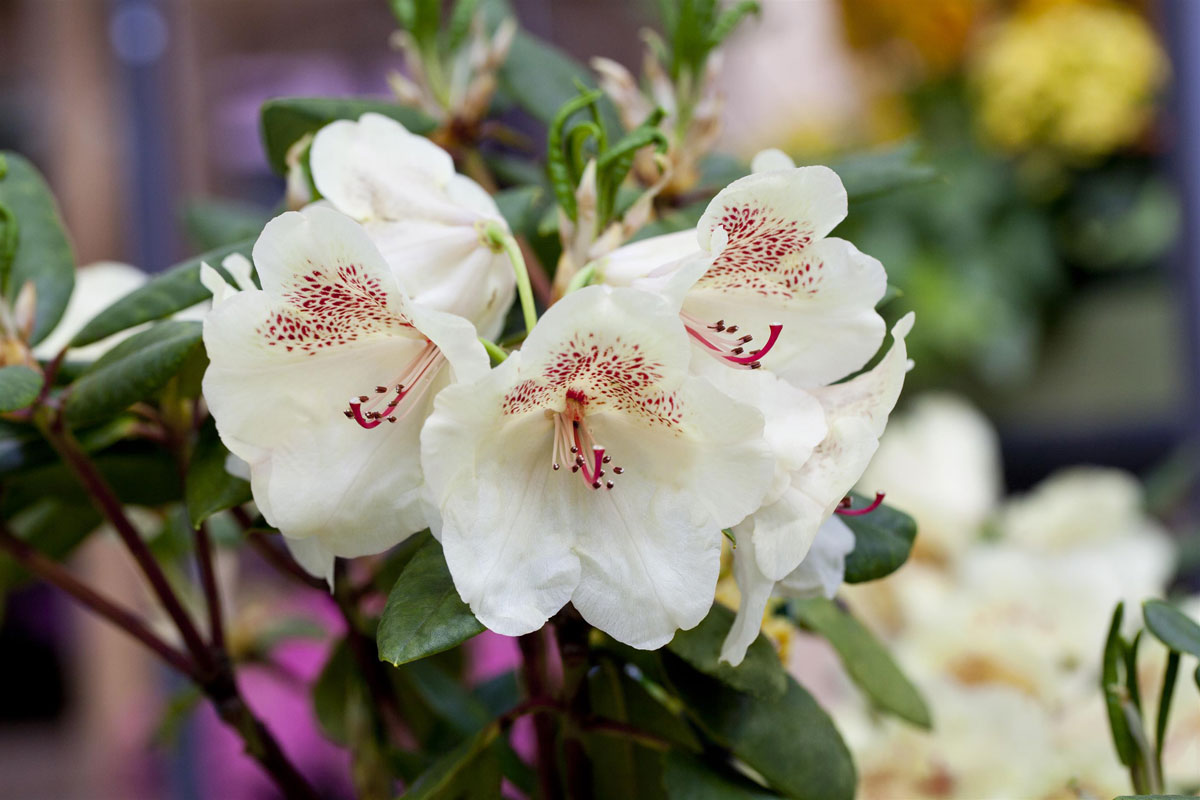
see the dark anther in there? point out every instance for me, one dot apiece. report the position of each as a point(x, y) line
point(607, 459)
point(556, 465)
point(755, 364)
point(575, 468)
point(609, 484)
point(731, 329)
point(618, 470)
point(596, 485)
point(362, 398)
point(574, 449)
point(349, 414)
point(737, 351)
point(380, 389)
point(391, 419)
point(745, 339)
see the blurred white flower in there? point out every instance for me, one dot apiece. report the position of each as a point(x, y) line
point(939, 462)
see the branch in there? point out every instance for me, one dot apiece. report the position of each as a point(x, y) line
point(208, 580)
point(533, 653)
point(56, 575)
point(107, 502)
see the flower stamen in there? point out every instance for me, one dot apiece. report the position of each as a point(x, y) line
point(719, 341)
point(845, 510)
point(407, 389)
point(574, 443)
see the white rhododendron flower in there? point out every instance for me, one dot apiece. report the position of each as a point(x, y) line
point(774, 540)
point(591, 468)
point(779, 293)
point(426, 219)
point(320, 382)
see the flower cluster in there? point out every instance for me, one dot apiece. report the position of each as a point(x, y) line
point(698, 389)
point(998, 618)
point(1077, 78)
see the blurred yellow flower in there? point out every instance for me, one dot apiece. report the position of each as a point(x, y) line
point(1077, 78)
point(937, 32)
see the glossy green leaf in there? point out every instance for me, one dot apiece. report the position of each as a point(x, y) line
point(1111, 686)
point(163, 295)
point(788, 740)
point(210, 488)
point(689, 778)
point(1172, 627)
point(867, 175)
point(616, 696)
point(866, 660)
point(1165, 695)
point(338, 680)
point(19, 387)
point(883, 540)
point(761, 672)
point(22, 447)
point(132, 371)
point(285, 120)
point(213, 223)
point(424, 614)
point(621, 765)
point(466, 772)
point(43, 252)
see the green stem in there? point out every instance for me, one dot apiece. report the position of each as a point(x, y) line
point(495, 352)
point(582, 278)
point(499, 239)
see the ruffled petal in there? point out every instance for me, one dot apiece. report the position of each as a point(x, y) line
point(755, 590)
point(504, 524)
point(627, 264)
point(651, 546)
point(856, 413)
point(824, 568)
point(375, 169)
point(780, 210)
point(824, 297)
point(447, 267)
point(313, 556)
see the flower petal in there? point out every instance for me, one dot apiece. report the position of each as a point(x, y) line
point(786, 210)
point(755, 590)
point(824, 296)
point(504, 526)
point(856, 413)
point(824, 568)
point(447, 267)
point(313, 556)
point(625, 265)
point(375, 169)
point(650, 547)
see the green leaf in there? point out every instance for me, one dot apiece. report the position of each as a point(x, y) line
point(336, 682)
point(19, 387)
point(468, 771)
point(542, 78)
point(286, 120)
point(1172, 627)
point(132, 371)
point(210, 488)
point(789, 740)
point(623, 766)
point(43, 252)
point(424, 614)
point(688, 778)
point(163, 295)
point(616, 696)
point(761, 672)
point(1111, 686)
point(867, 175)
point(54, 526)
point(213, 223)
point(729, 20)
point(882, 541)
point(1170, 675)
point(865, 659)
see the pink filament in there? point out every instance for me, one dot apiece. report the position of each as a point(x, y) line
point(845, 510)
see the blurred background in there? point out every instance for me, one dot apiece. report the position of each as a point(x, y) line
point(1052, 260)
